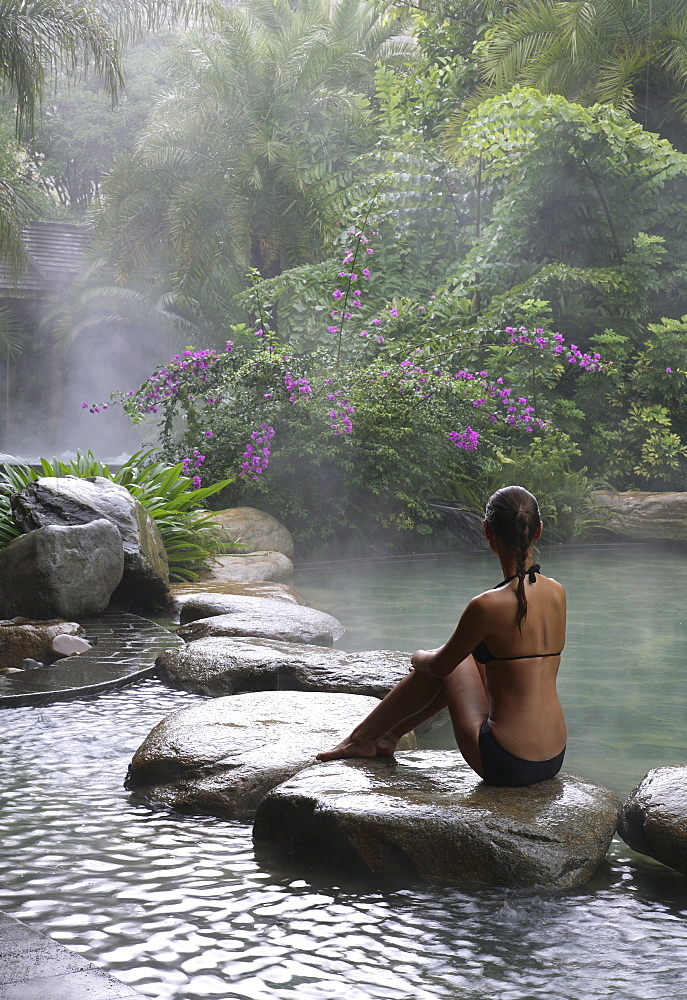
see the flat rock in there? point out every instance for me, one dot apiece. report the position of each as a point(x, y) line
point(222, 757)
point(221, 666)
point(61, 572)
point(426, 813)
point(182, 592)
point(22, 639)
point(654, 816)
point(196, 606)
point(644, 515)
point(69, 500)
point(254, 529)
point(260, 617)
point(257, 566)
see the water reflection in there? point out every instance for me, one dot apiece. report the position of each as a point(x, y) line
point(181, 907)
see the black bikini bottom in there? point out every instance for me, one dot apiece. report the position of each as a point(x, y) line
point(503, 768)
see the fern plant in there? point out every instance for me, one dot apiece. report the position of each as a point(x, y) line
point(163, 490)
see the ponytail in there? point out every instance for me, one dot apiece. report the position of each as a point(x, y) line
point(513, 515)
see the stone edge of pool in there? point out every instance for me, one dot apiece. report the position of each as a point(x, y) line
point(34, 967)
point(126, 648)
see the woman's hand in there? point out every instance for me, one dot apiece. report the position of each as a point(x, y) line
point(425, 661)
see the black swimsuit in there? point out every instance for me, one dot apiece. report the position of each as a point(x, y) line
point(501, 767)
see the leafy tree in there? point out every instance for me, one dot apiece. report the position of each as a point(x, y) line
point(628, 53)
point(246, 159)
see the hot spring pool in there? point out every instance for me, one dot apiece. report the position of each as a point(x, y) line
point(181, 907)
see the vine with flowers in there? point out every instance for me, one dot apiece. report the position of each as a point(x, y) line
point(363, 433)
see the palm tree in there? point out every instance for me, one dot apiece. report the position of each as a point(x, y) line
point(39, 38)
point(245, 162)
point(628, 53)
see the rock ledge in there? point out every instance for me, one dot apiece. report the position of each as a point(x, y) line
point(426, 813)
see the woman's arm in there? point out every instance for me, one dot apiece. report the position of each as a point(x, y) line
point(470, 631)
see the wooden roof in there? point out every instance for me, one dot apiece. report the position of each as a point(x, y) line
point(54, 250)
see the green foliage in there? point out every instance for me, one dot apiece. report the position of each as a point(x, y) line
point(576, 201)
point(628, 53)
point(164, 491)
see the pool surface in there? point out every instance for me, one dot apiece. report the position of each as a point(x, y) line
point(182, 907)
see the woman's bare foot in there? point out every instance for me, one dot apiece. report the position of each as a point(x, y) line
point(362, 746)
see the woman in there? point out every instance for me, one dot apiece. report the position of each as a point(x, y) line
point(497, 672)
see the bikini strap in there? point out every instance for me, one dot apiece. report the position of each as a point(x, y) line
point(534, 568)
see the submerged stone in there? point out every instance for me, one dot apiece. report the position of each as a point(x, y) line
point(223, 757)
point(219, 665)
point(260, 617)
point(427, 813)
point(654, 816)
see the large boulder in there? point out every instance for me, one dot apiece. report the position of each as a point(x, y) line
point(61, 572)
point(260, 617)
point(69, 500)
point(654, 816)
point(184, 592)
point(21, 638)
point(252, 568)
point(222, 757)
point(426, 813)
point(645, 516)
point(253, 529)
point(220, 666)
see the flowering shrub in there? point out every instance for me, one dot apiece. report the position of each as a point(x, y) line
point(361, 433)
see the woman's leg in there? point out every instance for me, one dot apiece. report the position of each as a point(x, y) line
point(411, 697)
point(468, 704)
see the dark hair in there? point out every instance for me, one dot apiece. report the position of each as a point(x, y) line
point(513, 515)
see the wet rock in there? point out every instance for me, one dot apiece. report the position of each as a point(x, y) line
point(197, 606)
point(182, 592)
point(229, 665)
point(254, 529)
point(65, 572)
point(69, 500)
point(654, 816)
point(255, 567)
point(643, 515)
point(23, 638)
point(29, 664)
point(426, 813)
point(222, 757)
point(260, 617)
point(69, 645)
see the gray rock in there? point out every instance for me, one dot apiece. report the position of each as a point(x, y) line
point(426, 813)
point(221, 666)
point(644, 515)
point(29, 664)
point(254, 529)
point(69, 500)
point(260, 617)
point(253, 568)
point(183, 592)
point(61, 572)
point(654, 816)
point(23, 639)
point(222, 757)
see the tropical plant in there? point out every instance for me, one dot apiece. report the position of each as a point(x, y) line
point(245, 160)
point(631, 54)
point(168, 495)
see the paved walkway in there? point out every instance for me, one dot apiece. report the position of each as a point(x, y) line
point(124, 649)
point(34, 967)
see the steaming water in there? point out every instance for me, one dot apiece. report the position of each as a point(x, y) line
point(182, 907)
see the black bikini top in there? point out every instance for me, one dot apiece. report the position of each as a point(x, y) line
point(482, 653)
